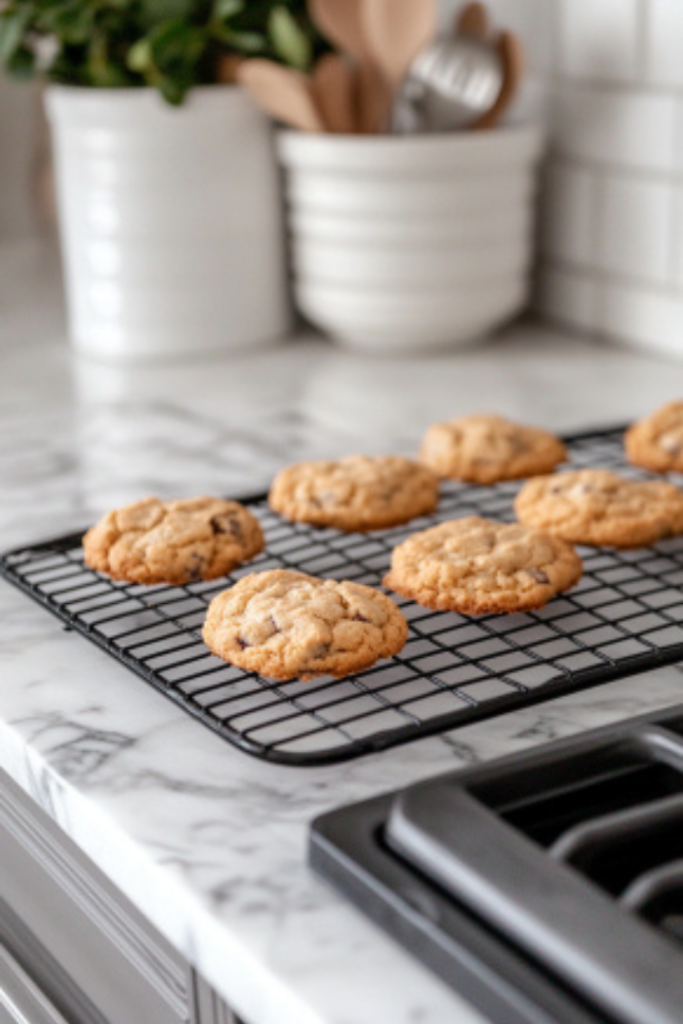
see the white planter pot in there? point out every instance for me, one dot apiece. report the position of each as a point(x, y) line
point(412, 242)
point(170, 220)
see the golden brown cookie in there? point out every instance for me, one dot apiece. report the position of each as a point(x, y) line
point(359, 492)
point(176, 542)
point(476, 566)
point(594, 506)
point(488, 449)
point(657, 441)
point(287, 625)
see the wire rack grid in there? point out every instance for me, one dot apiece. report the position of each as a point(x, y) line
point(624, 617)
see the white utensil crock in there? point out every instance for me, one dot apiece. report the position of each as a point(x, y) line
point(170, 221)
point(406, 243)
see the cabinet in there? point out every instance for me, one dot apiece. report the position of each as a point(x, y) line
point(73, 949)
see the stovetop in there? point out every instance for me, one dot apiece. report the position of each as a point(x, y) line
point(545, 887)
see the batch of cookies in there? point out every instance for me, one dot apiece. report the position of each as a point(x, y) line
point(285, 624)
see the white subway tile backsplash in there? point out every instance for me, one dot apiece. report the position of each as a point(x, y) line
point(568, 212)
point(643, 317)
point(634, 224)
point(611, 229)
point(599, 39)
point(568, 297)
point(664, 42)
point(621, 127)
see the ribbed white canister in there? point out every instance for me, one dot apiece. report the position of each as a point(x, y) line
point(412, 242)
point(170, 221)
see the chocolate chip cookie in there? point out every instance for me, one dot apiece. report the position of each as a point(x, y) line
point(657, 441)
point(488, 449)
point(287, 625)
point(476, 566)
point(176, 542)
point(594, 506)
point(359, 492)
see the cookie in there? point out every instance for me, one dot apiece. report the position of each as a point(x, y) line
point(359, 492)
point(488, 449)
point(476, 566)
point(287, 625)
point(594, 506)
point(176, 542)
point(657, 442)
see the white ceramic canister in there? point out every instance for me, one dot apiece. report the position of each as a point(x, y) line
point(170, 221)
point(405, 243)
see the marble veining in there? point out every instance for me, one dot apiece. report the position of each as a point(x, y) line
point(207, 841)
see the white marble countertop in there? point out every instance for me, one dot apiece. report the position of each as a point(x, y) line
point(205, 840)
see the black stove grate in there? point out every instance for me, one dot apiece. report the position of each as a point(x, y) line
point(625, 616)
point(546, 887)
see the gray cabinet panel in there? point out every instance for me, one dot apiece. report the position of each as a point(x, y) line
point(82, 950)
point(112, 954)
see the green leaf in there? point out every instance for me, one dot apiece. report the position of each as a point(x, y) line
point(140, 56)
point(108, 75)
point(243, 42)
point(176, 43)
point(72, 23)
point(155, 11)
point(12, 29)
point(224, 9)
point(289, 41)
point(173, 92)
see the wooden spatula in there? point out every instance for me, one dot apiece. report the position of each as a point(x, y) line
point(282, 92)
point(396, 31)
point(342, 22)
point(473, 20)
point(333, 85)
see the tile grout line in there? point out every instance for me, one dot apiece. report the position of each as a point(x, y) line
point(587, 271)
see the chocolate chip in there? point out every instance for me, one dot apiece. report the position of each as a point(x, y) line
point(196, 566)
point(243, 643)
point(538, 575)
point(321, 651)
point(360, 618)
point(276, 628)
point(226, 524)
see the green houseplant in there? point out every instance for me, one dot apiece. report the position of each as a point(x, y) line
point(171, 45)
point(167, 188)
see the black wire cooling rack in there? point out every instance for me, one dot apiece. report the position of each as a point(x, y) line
point(625, 616)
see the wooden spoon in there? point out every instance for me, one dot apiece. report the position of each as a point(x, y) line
point(282, 92)
point(342, 22)
point(473, 20)
point(396, 31)
point(334, 92)
point(512, 57)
